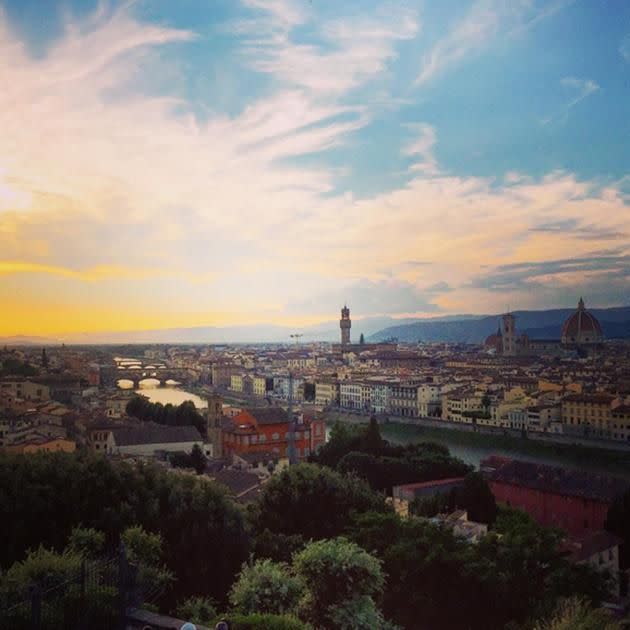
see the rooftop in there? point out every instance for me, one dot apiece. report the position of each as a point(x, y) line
point(557, 480)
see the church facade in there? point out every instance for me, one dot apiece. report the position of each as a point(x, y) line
point(581, 333)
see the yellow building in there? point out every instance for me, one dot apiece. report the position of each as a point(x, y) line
point(259, 384)
point(326, 392)
point(236, 382)
point(590, 414)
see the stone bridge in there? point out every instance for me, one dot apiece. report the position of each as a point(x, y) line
point(139, 372)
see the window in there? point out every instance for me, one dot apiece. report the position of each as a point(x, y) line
point(275, 436)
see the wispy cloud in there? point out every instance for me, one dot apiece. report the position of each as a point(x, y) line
point(624, 48)
point(478, 29)
point(422, 147)
point(580, 89)
point(349, 51)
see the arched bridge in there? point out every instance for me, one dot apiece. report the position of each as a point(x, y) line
point(139, 371)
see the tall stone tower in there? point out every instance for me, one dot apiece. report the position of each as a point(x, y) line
point(215, 415)
point(509, 335)
point(345, 324)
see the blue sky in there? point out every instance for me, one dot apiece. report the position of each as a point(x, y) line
point(262, 160)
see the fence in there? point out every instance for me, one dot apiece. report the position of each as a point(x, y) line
point(93, 595)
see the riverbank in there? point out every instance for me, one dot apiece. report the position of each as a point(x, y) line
point(576, 455)
point(472, 446)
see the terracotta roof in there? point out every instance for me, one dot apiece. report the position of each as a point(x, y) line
point(431, 484)
point(269, 415)
point(552, 479)
point(581, 322)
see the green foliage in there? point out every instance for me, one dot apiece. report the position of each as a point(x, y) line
point(576, 614)
point(477, 499)
point(265, 622)
point(361, 339)
point(341, 580)
point(361, 450)
point(185, 414)
point(41, 566)
point(277, 546)
point(266, 587)
point(201, 610)
point(525, 560)
point(196, 520)
point(312, 501)
point(195, 460)
point(85, 542)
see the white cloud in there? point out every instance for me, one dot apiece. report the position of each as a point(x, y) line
point(422, 147)
point(624, 48)
point(351, 51)
point(484, 22)
point(100, 180)
point(580, 89)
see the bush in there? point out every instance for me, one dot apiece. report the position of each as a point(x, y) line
point(265, 622)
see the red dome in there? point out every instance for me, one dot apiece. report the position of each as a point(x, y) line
point(582, 327)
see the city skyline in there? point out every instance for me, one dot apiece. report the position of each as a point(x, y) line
point(176, 165)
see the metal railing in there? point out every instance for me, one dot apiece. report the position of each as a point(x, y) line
point(97, 594)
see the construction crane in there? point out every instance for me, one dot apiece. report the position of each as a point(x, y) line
point(296, 336)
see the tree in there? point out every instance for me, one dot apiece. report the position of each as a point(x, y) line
point(342, 581)
point(266, 587)
point(361, 340)
point(197, 459)
point(312, 501)
point(85, 542)
point(201, 610)
point(145, 551)
point(477, 499)
point(194, 517)
point(44, 359)
point(372, 439)
point(576, 614)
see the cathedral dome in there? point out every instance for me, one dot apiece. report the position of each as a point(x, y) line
point(582, 327)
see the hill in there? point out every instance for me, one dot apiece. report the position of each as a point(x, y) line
point(537, 324)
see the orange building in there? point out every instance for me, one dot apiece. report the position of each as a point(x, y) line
point(266, 429)
point(39, 444)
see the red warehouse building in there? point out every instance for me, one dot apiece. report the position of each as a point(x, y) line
point(573, 500)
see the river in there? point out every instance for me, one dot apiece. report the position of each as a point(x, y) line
point(150, 388)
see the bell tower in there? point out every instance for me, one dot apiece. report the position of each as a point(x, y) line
point(509, 335)
point(215, 416)
point(345, 324)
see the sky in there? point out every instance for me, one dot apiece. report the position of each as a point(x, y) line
point(215, 162)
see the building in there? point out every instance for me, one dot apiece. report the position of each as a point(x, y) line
point(326, 392)
point(403, 399)
point(425, 489)
point(149, 439)
point(620, 423)
point(350, 395)
point(345, 324)
point(215, 417)
point(600, 550)
point(509, 335)
point(19, 388)
point(573, 500)
point(588, 414)
point(264, 429)
point(36, 443)
point(582, 330)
